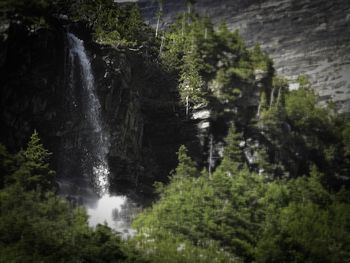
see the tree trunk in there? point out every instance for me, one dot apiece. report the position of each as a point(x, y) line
point(279, 95)
point(259, 109)
point(187, 106)
point(157, 27)
point(272, 96)
point(161, 46)
point(210, 164)
point(183, 25)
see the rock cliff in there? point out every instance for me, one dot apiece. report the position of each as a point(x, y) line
point(139, 101)
point(309, 37)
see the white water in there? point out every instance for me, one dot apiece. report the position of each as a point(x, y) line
point(115, 211)
point(92, 112)
point(107, 209)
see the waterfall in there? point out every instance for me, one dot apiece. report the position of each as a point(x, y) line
point(95, 142)
point(92, 112)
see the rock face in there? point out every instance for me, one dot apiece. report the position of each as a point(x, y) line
point(139, 103)
point(309, 37)
point(32, 72)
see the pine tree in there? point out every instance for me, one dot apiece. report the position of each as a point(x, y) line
point(265, 167)
point(304, 82)
point(133, 24)
point(186, 166)
point(159, 14)
point(190, 4)
point(260, 59)
point(233, 157)
point(191, 82)
point(34, 171)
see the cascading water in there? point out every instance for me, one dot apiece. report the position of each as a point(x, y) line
point(97, 156)
point(95, 145)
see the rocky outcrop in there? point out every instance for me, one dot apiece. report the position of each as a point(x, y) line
point(142, 113)
point(140, 106)
point(31, 80)
point(309, 37)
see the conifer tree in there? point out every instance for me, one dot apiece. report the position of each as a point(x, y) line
point(186, 166)
point(260, 59)
point(191, 82)
point(233, 157)
point(190, 4)
point(159, 14)
point(34, 171)
point(265, 167)
point(133, 23)
point(304, 82)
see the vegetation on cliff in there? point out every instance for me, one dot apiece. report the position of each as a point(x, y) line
point(212, 64)
point(248, 217)
point(280, 192)
point(288, 202)
point(109, 22)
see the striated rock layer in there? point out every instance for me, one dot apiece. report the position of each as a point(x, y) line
point(309, 37)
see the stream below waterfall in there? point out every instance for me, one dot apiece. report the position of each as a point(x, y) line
point(102, 207)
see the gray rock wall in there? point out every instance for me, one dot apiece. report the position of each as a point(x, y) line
point(139, 100)
point(309, 37)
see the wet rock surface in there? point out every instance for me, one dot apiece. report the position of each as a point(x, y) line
point(139, 104)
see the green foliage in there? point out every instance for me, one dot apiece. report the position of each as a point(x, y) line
point(279, 82)
point(302, 101)
point(276, 216)
point(233, 157)
point(111, 23)
point(38, 226)
point(249, 218)
point(183, 52)
point(263, 105)
point(308, 224)
point(169, 248)
point(260, 59)
point(321, 131)
point(209, 62)
point(191, 82)
point(186, 166)
point(296, 210)
point(169, 231)
point(304, 82)
point(222, 212)
point(33, 171)
point(303, 133)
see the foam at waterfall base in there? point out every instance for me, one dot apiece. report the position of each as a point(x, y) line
point(116, 211)
point(113, 210)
